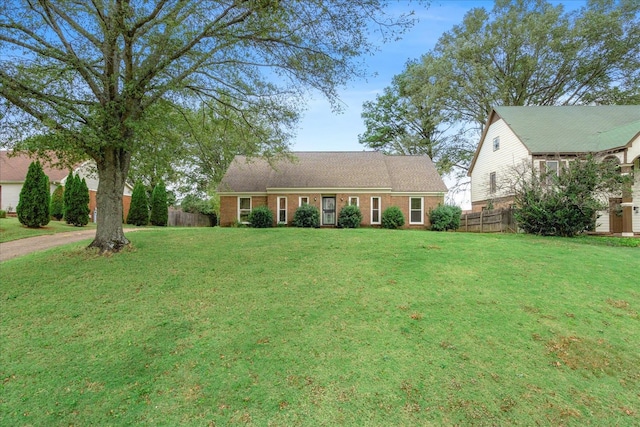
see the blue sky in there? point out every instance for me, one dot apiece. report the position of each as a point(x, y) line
point(322, 130)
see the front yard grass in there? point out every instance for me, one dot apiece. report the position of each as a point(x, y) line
point(291, 326)
point(11, 229)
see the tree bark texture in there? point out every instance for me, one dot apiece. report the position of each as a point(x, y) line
point(113, 167)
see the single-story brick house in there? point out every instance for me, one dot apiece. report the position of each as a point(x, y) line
point(331, 180)
point(545, 138)
point(13, 172)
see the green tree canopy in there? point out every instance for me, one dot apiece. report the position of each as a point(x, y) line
point(523, 52)
point(92, 71)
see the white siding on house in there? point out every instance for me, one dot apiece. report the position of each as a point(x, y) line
point(512, 154)
point(11, 195)
point(634, 150)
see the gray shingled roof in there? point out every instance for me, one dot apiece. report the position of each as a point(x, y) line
point(14, 168)
point(333, 170)
point(570, 129)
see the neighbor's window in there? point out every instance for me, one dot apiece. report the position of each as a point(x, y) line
point(282, 210)
point(244, 209)
point(375, 210)
point(492, 182)
point(551, 169)
point(303, 201)
point(416, 210)
point(496, 143)
point(354, 201)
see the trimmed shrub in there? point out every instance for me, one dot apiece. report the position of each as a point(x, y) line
point(33, 207)
point(76, 201)
point(57, 203)
point(3, 213)
point(445, 217)
point(392, 218)
point(261, 217)
point(67, 197)
point(350, 217)
point(159, 205)
point(307, 216)
point(139, 209)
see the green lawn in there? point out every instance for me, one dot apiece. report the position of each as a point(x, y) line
point(11, 229)
point(322, 327)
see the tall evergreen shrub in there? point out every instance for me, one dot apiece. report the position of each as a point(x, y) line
point(57, 203)
point(67, 197)
point(139, 209)
point(76, 201)
point(159, 205)
point(33, 206)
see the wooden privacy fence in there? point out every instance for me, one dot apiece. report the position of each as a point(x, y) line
point(494, 221)
point(178, 218)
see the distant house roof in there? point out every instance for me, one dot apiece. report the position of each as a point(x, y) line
point(569, 129)
point(334, 170)
point(15, 168)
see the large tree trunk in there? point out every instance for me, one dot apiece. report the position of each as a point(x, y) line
point(113, 167)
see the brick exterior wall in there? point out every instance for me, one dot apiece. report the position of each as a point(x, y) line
point(126, 203)
point(229, 205)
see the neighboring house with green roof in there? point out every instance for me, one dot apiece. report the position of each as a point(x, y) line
point(331, 180)
point(544, 138)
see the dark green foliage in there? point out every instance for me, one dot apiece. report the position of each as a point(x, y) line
point(67, 196)
point(139, 209)
point(159, 205)
point(392, 218)
point(445, 217)
point(3, 213)
point(76, 201)
point(307, 216)
point(261, 217)
point(33, 207)
point(565, 205)
point(350, 217)
point(57, 203)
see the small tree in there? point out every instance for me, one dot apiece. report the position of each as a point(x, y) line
point(139, 209)
point(392, 217)
point(445, 217)
point(261, 217)
point(567, 204)
point(76, 201)
point(67, 197)
point(57, 203)
point(307, 216)
point(159, 206)
point(350, 217)
point(33, 206)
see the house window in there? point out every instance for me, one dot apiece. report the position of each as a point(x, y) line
point(375, 210)
point(416, 209)
point(244, 209)
point(496, 143)
point(303, 201)
point(549, 170)
point(282, 210)
point(354, 201)
point(492, 183)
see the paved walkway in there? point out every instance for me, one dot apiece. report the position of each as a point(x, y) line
point(16, 248)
